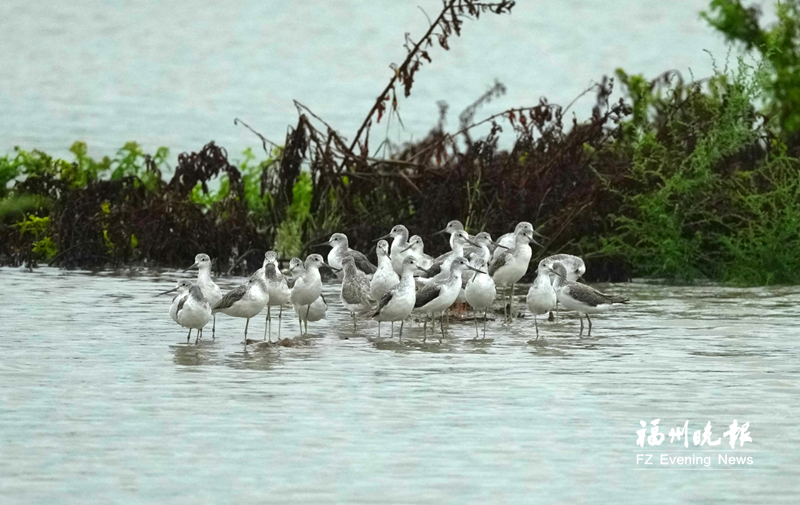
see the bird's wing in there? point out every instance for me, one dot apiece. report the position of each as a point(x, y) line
point(432, 272)
point(362, 263)
point(592, 297)
point(442, 257)
point(355, 294)
point(385, 299)
point(426, 294)
point(181, 302)
point(231, 297)
point(499, 262)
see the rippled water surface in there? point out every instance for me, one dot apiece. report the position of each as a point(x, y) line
point(101, 401)
point(176, 74)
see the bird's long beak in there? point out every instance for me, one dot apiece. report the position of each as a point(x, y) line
point(383, 237)
point(501, 245)
point(439, 232)
point(166, 292)
point(321, 244)
point(425, 270)
point(471, 242)
point(558, 274)
point(476, 270)
point(191, 267)
point(407, 248)
point(537, 243)
point(539, 235)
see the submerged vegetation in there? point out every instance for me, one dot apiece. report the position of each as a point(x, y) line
point(677, 180)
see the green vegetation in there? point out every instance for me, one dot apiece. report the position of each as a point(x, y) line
point(702, 208)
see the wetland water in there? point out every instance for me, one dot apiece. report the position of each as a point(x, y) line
point(102, 402)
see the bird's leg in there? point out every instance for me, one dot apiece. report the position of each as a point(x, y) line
point(266, 326)
point(392, 335)
point(300, 322)
point(581, 318)
point(189, 335)
point(484, 321)
point(589, 334)
point(401, 330)
point(536, 324)
point(505, 307)
point(379, 329)
point(214, 328)
point(308, 310)
point(280, 320)
point(511, 305)
point(354, 321)
point(197, 336)
point(425, 329)
point(245, 330)
point(476, 326)
point(441, 324)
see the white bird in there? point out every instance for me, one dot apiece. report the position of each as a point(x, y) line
point(510, 266)
point(541, 297)
point(398, 302)
point(483, 244)
point(318, 308)
point(210, 290)
point(437, 296)
point(277, 288)
point(190, 308)
point(385, 277)
point(480, 292)
point(581, 298)
point(453, 227)
point(441, 265)
point(415, 247)
point(245, 301)
point(308, 287)
point(507, 241)
point(341, 249)
point(574, 266)
point(398, 251)
point(355, 290)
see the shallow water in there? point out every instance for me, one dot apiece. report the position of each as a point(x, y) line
point(102, 401)
point(176, 74)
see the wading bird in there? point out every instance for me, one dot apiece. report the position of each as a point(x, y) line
point(245, 301)
point(510, 266)
point(541, 297)
point(340, 249)
point(438, 296)
point(355, 290)
point(398, 302)
point(189, 308)
point(480, 292)
point(573, 264)
point(277, 288)
point(398, 251)
point(415, 248)
point(385, 277)
point(305, 313)
point(507, 240)
point(453, 227)
point(308, 286)
point(581, 298)
point(210, 290)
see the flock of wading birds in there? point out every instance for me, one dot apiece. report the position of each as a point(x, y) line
point(406, 280)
